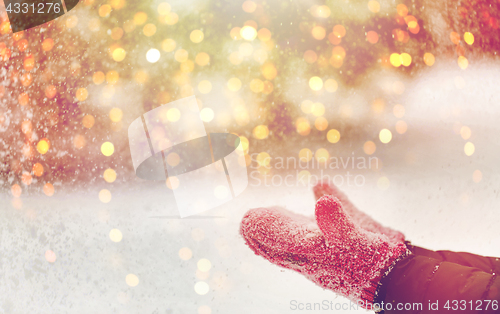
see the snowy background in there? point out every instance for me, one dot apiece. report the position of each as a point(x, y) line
point(431, 197)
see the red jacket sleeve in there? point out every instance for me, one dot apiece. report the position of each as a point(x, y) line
point(441, 282)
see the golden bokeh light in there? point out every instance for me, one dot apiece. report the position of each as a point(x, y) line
point(173, 114)
point(261, 132)
point(304, 176)
point(463, 63)
point(339, 30)
point(369, 147)
point(395, 59)
point(81, 94)
point(105, 196)
point(306, 106)
point(263, 159)
point(204, 265)
point(465, 132)
point(429, 59)
point(205, 87)
point(305, 155)
point(398, 87)
point(112, 77)
point(79, 141)
point(164, 8)
point(234, 84)
point(245, 49)
point(141, 77)
point(331, 85)
point(48, 189)
point(153, 55)
point(181, 55)
point(383, 183)
point(321, 123)
point(469, 149)
point(47, 44)
point(398, 111)
point(187, 66)
point(374, 6)
point(26, 178)
point(310, 56)
point(372, 37)
point(88, 121)
point(116, 33)
point(315, 83)
point(149, 30)
point(132, 280)
point(104, 10)
point(173, 159)
point(378, 105)
point(98, 77)
point(402, 10)
point(23, 99)
point(140, 18)
point(249, 6)
point(401, 127)
point(185, 254)
point(469, 38)
point(333, 136)
point(256, 85)
point(115, 115)
point(202, 59)
point(170, 19)
point(50, 256)
point(303, 127)
point(115, 235)
point(43, 146)
point(207, 114)
point(16, 190)
point(477, 176)
point(172, 183)
point(205, 309)
point(318, 32)
point(38, 169)
point(201, 288)
point(196, 36)
point(107, 149)
point(51, 91)
point(109, 175)
point(168, 45)
point(322, 155)
point(318, 109)
point(269, 71)
point(119, 54)
point(405, 59)
point(385, 136)
point(248, 33)
point(264, 34)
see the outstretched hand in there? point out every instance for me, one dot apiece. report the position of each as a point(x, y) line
point(341, 248)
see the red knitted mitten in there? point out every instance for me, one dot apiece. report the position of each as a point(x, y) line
point(365, 221)
point(335, 253)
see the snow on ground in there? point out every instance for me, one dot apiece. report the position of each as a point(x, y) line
point(431, 198)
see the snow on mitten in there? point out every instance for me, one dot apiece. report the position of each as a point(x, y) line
point(365, 221)
point(335, 253)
